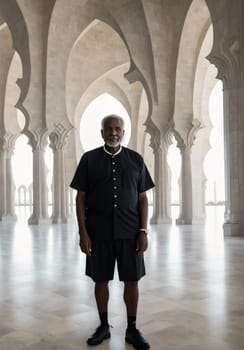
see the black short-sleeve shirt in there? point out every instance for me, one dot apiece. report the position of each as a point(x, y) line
point(112, 184)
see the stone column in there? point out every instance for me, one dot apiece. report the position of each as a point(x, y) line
point(71, 204)
point(59, 185)
point(198, 196)
point(185, 216)
point(161, 194)
point(6, 179)
point(10, 188)
point(40, 201)
point(234, 161)
point(2, 179)
point(227, 55)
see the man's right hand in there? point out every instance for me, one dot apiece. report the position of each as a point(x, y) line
point(85, 244)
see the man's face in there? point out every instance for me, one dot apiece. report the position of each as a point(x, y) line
point(112, 132)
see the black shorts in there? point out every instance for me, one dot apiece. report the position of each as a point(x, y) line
point(100, 264)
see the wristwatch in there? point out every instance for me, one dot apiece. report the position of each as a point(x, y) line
point(145, 230)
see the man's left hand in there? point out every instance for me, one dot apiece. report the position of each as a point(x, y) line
point(141, 243)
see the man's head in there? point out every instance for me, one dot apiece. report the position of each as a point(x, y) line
point(112, 130)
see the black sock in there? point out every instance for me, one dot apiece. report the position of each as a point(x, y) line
point(103, 318)
point(131, 322)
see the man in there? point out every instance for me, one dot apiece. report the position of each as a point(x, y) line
point(112, 209)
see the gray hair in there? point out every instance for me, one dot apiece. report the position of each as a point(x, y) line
point(112, 116)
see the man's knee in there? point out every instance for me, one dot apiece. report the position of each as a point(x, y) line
point(131, 284)
point(101, 284)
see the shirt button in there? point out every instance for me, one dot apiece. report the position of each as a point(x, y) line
point(115, 196)
point(115, 187)
point(115, 205)
point(114, 178)
point(114, 170)
point(113, 163)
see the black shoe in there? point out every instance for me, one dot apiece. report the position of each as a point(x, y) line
point(134, 337)
point(102, 333)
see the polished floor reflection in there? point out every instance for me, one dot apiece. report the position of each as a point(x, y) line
point(191, 298)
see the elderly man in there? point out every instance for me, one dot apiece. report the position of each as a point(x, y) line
point(112, 213)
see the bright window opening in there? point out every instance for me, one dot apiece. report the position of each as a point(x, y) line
point(23, 175)
point(90, 125)
point(22, 172)
point(214, 161)
point(174, 162)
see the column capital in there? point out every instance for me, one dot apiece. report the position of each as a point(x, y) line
point(58, 136)
point(183, 145)
point(226, 53)
point(7, 142)
point(37, 139)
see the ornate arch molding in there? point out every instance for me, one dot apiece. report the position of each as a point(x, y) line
point(58, 136)
point(225, 56)
point(226, 52)
point(154, 132)
point(196, 126)
point(97, 88)
point(14, 18)
point(171, 131)
point(37, 139)
point(134, 73)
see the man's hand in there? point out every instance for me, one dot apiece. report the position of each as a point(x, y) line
point(85, 244)
point(141, 243)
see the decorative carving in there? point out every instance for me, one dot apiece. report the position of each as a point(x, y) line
point(196, 126)
point(169, 132)
point(37, 139)
point(225, 58)
point(7, 142)
point(153, 131)
point(226, 53)
point(58, 136)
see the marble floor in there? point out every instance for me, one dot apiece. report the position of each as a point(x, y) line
point(191, 299)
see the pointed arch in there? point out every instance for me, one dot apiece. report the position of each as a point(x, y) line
point(98, 41)
point(187, 63)
point(16, 23)
point(90, 123)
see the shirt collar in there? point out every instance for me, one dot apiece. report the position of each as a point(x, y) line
point(112, 154)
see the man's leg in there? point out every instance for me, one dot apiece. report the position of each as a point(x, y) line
point(131, 268)
point(102, 296)
point(100, 267)
point(131, 294)
point(133, 335)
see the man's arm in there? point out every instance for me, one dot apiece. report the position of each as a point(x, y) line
point(85, 242)
point(142, 242)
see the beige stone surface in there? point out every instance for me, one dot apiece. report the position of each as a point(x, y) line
point(156, 57)
point(191, 297)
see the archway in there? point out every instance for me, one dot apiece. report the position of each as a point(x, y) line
point(90, 124)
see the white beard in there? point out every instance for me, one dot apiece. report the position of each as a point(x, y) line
point(113, 143)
